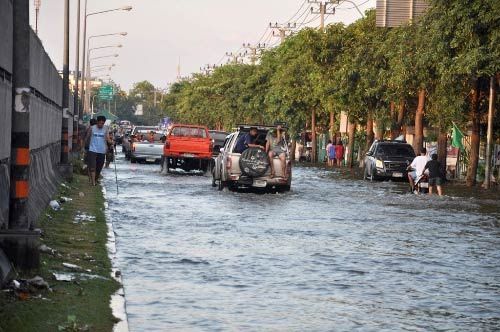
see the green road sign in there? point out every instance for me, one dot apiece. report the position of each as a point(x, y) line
point(106, 92)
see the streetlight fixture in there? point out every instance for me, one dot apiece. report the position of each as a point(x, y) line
point(93, 70)
point(100, 66)
point(88, 78)
point(89, 75)
point(125, 8)
point(105, 35)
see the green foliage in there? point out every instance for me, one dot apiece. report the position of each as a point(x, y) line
point(359, 69)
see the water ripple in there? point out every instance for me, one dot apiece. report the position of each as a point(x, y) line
point(332, 255)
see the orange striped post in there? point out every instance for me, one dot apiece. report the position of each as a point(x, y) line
point(20, 143)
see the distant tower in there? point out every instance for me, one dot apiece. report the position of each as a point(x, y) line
point(38, 4)
point(179, 69)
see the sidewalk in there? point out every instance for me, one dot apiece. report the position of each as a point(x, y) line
point(75, 265)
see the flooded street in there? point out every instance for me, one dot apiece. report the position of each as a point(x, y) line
point(331, 255)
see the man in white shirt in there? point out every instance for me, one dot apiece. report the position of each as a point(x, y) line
point(417, 166)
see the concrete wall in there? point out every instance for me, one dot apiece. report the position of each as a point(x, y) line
point(5, 107)
point(45, 120)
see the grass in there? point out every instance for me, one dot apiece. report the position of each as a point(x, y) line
point(78, 305)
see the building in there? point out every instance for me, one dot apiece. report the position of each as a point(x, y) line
point(393, 13)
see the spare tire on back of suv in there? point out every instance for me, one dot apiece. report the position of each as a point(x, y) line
point(254, 162)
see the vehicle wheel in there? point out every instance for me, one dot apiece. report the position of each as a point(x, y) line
point(284, 188)
point(221, 184)
point(214, 183)
point(167, 164)
point(372, 176)
point(133, 160)
point(365, 173)
point(254, 162)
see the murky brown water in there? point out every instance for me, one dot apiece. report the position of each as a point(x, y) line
point(335, 254)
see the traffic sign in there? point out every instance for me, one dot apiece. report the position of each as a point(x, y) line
point(106, 92)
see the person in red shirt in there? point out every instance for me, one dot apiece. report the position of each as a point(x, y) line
point(151, 138)
point(339, 152)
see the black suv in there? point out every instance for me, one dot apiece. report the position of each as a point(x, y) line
point(388, 159)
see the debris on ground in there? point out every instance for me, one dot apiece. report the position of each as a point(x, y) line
point(46, 250)
point(55, 205)
point(82, 216)
point(75, 267)
point(38, 282)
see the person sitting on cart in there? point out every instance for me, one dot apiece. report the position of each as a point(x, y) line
point(247, 141)
point(274, 147)
point(417, 167)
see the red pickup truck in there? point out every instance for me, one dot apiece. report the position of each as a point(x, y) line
point(187, 147)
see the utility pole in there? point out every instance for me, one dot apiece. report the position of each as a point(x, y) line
point(65, 93)
point(234, 58)
point(82, 87)
point(208, 69)
point(253, 50)
point(282, 30)
point(20, 152)
point(76, 97)
point(38, 4)
point(323, 10)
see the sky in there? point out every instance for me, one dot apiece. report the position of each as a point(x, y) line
point(163, 33)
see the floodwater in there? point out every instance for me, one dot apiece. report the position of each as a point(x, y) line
point(334, 254)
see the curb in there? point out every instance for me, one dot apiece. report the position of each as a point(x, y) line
point(117, 303)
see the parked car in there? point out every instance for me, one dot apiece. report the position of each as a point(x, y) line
point(388, 160)
point(187, 147)
point(234, 170)
point(147, 151)
point(138, 130)
point(218, 137)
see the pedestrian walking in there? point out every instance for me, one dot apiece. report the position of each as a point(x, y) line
point(434, 167)
point(84, 146)
point(339, 152)
point(98, 136)
point(110, 153)
point(329, 149)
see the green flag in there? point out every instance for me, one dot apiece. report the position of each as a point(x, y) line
point(456, 138)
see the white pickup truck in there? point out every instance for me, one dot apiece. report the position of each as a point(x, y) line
point(147, 150)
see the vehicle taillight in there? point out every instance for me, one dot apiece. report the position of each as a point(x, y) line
point(167, 145)
point(289, 168)
point(211, 147)
point(228, 163)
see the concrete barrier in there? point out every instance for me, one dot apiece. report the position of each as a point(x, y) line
point(5, 107)
point(45, 125)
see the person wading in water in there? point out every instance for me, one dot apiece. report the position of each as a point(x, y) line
point(99, 138)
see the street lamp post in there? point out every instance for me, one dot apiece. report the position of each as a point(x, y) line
point(87, 94)
point(127, 8)
point(89, 75)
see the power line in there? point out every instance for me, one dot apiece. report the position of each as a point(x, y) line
point(291, 18)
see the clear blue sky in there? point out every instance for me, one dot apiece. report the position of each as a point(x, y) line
point(162, 31)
